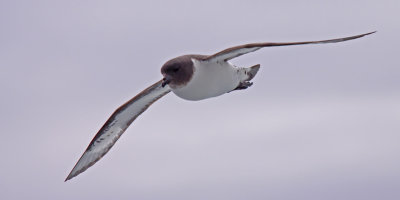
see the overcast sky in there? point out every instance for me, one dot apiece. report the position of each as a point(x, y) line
point(320, 121)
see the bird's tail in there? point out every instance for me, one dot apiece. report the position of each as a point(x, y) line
point(251, 71)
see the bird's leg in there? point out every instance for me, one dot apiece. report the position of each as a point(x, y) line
point(243, 85)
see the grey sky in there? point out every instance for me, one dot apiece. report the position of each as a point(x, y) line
point(320, 121)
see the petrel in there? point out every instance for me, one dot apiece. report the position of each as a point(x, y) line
point(190, 77)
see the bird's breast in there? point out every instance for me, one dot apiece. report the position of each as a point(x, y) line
point(210, 79)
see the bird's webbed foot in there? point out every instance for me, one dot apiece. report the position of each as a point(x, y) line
point(243, 85)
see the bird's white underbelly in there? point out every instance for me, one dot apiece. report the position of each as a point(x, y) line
point(210, 79)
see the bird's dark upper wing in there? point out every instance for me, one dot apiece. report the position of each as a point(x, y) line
point(116, 125)
point(236, 51)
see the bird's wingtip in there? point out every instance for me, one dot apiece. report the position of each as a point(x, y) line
point(360, 36)
point(71, 175)
point(68, 178)
point(370, 33)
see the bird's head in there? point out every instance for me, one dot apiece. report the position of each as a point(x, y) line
point(177, 72)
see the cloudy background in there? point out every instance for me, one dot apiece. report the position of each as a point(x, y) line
point(320, 122)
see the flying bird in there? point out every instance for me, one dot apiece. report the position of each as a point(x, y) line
point(190, 77)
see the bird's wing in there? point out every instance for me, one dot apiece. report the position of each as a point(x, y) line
point(116, 125)
point(236, 51)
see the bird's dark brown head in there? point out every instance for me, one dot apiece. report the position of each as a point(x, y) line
point(178, 71)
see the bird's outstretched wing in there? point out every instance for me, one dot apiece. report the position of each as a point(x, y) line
point(236, 51)
point(116, 125)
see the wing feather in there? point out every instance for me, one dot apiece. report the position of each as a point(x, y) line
point(116, 126)
point(236, 51)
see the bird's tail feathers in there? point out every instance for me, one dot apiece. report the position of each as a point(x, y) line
point(251, 71)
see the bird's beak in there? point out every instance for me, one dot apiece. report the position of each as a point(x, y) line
point(166, 80)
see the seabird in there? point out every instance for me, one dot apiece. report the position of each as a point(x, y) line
point(190, 77)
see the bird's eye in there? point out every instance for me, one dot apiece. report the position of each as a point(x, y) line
point(175, 69)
